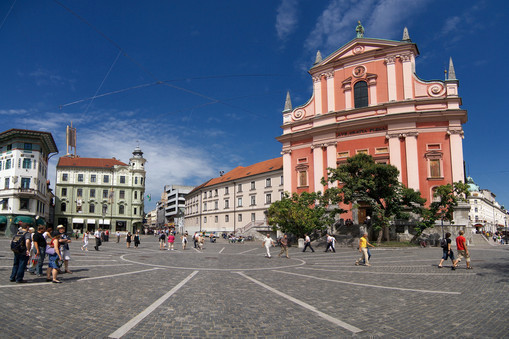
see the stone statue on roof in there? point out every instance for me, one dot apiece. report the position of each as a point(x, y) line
point(360, 30)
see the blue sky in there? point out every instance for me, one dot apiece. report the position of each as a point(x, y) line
point(200, 85)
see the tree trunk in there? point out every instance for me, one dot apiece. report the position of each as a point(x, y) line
point(387, 233)
point(379, 238)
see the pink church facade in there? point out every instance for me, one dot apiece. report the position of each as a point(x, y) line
point(367, 98)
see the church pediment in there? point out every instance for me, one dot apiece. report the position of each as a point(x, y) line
point(361, 46)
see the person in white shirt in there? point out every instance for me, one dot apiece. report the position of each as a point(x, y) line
point(97, 236)
point(330, 243)
point(118, 237)
point(307, 243)
point(86, 236)
point(267, 242)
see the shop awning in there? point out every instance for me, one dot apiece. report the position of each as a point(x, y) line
point(78, 221)
point(3, 219)
point(90, 221)
point(40, 221)
point(24, 219)
point(104, 222)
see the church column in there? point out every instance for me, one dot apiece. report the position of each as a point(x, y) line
point(332, 158)
point(317, 167)
point(456, 144)
point(412, 163)
point(395, 152)
point(287, 171)
point(331, 106)
point(407, 75)
point(317, 89)
point(391, 77)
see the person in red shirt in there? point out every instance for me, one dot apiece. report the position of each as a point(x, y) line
point(171, 240)
point(461, 244)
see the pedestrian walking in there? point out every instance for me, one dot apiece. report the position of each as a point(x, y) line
point(128, 239)
point(284, 246)
point(118, 236)
point(447, 251)
point(363, 248)
point(162, 240)
point(20, 245)
point(200, 241)
point(195, 239)
point(369, 252)
point(184, 241)
point(98, 241)
point(461, 245)
point(330, 243)
point(268, 242)
point(171, 240)
point(137, 239)
point(307, 243)
point(86, 237)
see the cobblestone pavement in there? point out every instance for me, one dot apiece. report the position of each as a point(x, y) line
point(232, 290)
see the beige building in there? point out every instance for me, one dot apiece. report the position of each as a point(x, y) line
point(485, 214)
point(100, 193)
point(24, 193)
point(151, 219)
point(235, 201)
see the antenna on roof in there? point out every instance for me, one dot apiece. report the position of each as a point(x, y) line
point(70, 137)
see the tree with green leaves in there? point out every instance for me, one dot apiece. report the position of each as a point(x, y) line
point(304, 213)
point(447, 198)
point(362, 180)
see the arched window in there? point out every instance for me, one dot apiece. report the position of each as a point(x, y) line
point(63, 207)
point(360, 94)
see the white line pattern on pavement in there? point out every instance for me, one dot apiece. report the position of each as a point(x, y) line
point(327, 317)
point(390, 273)
point(81, 279)
point(368, 285)
point(134, 321)
point(253, 249)
point(118, 274)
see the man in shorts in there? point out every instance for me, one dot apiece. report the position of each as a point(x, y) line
point(461, 244)
point(64, 246)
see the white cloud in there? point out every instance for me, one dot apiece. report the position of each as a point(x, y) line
point(457, 27)
point(380, 18)
point(13, 111)
point(286, 19)
point(101, 134)
point(451, 25)
point(44, 77)
point(50, 121)
point(169, 161)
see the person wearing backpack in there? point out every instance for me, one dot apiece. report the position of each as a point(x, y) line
point(162, 240)
point(447, 251)
point(20, 245)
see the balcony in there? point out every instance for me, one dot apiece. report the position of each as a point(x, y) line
point(23, 192)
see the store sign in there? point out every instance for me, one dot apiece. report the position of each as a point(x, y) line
point(362, 131)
